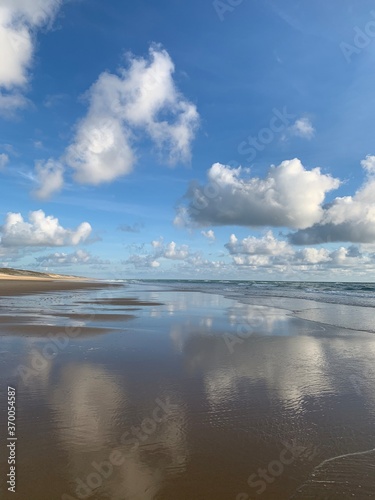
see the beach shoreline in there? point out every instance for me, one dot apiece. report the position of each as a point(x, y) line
point(248, 386)
point(24, 285)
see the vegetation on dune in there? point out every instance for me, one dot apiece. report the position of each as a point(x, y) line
point(18, 272)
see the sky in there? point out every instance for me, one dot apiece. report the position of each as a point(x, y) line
point(227, 139)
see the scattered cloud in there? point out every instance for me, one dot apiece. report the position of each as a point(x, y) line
point(9, 149)
point(210, 235)
point(272, 255)
point(160, 250)
point(10, 103)
point(80, 257)
point(4, 159)
point(289, 196)
point(40, 231)
point(19, 19)
point(50, 177)
point(369, 164)
point(302, 128)
point(267, 245)
point(142, 261)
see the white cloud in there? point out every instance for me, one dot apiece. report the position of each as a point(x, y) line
point(272, 255)
point(158, 243)
point(172, 251)
point(19, 19)
point(289, 196)
point(9, 103)
point(161, 250)
point(346, 219)
point(313, 255)
point(40, 231)
point(267, 245)
point(258, 252)
point(142, 261)
point(4, 159)
point(50, 178)
point(302, 128)
point(210, 235)
point(101, 151)
point(142, 100)
point(369, 164)
point(198, 263)
point(65, 259)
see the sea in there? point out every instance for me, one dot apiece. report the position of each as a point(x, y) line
point(355, 294)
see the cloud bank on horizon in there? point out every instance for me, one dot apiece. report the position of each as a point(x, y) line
point(88, 142)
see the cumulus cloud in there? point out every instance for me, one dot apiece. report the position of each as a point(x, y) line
point(289, 196)
point(210, 235)
point(271, 254)
point(40, 231)
point(302, 128)
point(140, 103)
point(369, 164)
point(142, 261)
point(258, 252)
point(19, 20)
point(4, 159)
point(184, 258)
point(101, 151)
point(50, 176)
point(346, 219)
point(80, 257)
point(174, 252)
point(142, 100)
point(313, 256)
point(267, 245)
point(159, 251)
point(198, 263)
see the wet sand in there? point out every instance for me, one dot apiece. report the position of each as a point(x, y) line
point(19, 286)
point(194, 397)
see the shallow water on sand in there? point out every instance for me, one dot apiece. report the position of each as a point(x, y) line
point(199, 397)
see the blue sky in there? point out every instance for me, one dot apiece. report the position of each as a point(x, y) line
point(170, 139)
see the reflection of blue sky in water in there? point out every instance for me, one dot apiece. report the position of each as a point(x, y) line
point(286, 379)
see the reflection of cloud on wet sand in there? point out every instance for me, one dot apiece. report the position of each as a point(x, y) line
point(291, 368)
point(85, 399)
point(91, 410)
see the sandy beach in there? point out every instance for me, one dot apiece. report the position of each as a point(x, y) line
point(148, 392)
